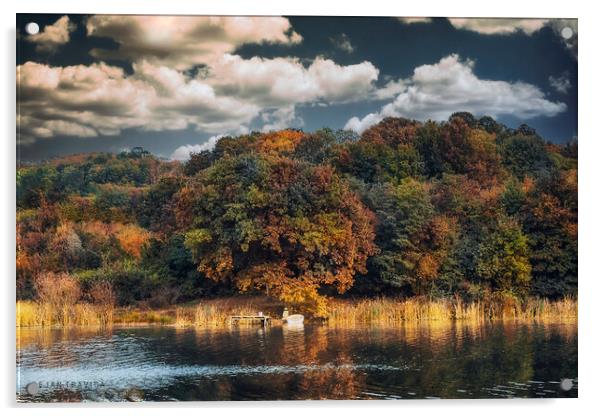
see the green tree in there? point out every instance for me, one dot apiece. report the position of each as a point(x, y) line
point(503, 259)
point(403, 212)
point(155, 208)
point(198, 162)
point(34, 183)
point(525, 155)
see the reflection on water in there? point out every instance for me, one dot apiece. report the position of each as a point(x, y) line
point(443, 360)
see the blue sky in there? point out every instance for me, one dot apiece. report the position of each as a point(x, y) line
point(174, 84)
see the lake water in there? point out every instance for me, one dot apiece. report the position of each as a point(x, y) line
point(307, 362)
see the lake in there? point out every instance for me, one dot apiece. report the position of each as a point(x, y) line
point(438, 360)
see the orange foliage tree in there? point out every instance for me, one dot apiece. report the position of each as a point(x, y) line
point(283, 226)
point(132, 239)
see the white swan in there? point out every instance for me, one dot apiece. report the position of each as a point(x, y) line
point(294, 319)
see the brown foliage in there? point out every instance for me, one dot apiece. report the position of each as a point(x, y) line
point(59, 292)
point(297, 230)
point(57, 288)
point(483, 161)
point(103, 296)
point(392, 131)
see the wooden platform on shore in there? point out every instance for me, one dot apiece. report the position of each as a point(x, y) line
point(262, 319)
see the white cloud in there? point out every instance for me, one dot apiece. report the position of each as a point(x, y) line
point(342, 83)
point(390, 90)
point(505, 26)
point(435, 91)
point(528, 26)
point(562, 84)
point(486, 26)
point(184, 41)
point(283, 81)
point(53, 36)
point(191, 101)
point(494, 26)
point(281, 118)
point(162, 93)
point(359, 125)
point(100, 99)
point(343, 43)
point(182, 153)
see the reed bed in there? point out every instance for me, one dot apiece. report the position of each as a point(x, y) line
point(210, 313)
point(133, 316)
point(207, 313)
point(389, 311)
point(217, 312)
point(31, 313)
point(384, 311)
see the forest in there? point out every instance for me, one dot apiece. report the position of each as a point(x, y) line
point(466, 209)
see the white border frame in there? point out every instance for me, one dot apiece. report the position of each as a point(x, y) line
point(590, 288)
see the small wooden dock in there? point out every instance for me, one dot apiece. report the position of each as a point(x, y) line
point(264, 320)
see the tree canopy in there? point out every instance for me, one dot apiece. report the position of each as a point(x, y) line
point(466, 207)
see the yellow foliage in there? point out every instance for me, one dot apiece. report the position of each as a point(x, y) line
point(428, 267)
point(280, 141)
point(132, 239)
point(305, 298)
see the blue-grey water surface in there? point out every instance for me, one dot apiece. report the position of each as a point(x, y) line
point(307, 362)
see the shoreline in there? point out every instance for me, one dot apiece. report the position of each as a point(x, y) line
point(215, 313)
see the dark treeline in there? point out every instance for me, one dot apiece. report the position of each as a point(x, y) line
point(466, 208)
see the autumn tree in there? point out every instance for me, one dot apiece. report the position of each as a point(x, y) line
point(549, 218)
point(373, 162)
point(34, 183)
point(483, 162)
point(132, 239)
point(317, 147)
point(407, 208)
point(392, 131)
point(282, 226)
point(59, 292)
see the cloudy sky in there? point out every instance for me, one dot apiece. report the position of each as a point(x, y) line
point(175, 84)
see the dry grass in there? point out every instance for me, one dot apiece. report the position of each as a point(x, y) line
point(44, 314)
point(217, 312)
point(131, 316)
point(211, 313)
point(388, 311)
point(103, 296)
point(383, 311)
point(59, 303)
point(57, 294)
point(28, 314)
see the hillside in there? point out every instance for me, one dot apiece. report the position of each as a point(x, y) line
point(465, 208)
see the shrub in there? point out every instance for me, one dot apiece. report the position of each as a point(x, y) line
point(59, 293)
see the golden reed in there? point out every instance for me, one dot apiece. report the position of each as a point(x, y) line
point(216, 313)
point(31, 313)
point(386, 310)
